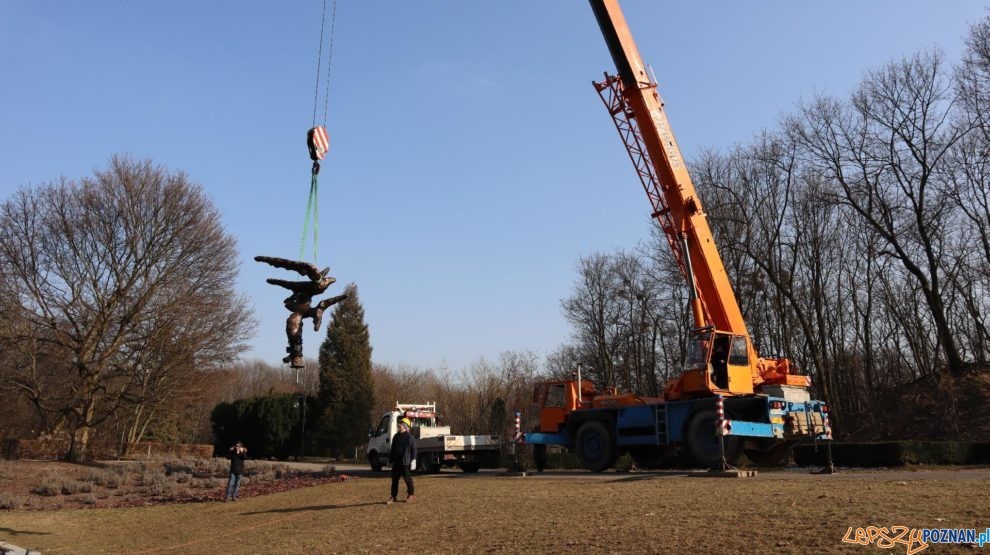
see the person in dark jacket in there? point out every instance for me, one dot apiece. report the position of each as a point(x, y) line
point(237, 455)
point(401, 456)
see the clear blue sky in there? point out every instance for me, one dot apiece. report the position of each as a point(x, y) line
point(472, 162)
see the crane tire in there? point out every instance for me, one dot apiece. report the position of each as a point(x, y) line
point(594, 446)
point(702, 443)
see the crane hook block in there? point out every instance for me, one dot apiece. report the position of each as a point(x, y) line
point(318, 142)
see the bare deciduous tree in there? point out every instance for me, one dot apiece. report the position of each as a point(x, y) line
point(884, 151)
point(125, 278)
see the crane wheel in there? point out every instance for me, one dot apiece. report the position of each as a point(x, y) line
point(702, 443)
point(594, 446)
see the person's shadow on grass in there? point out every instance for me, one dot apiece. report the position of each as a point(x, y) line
point(311, 508)
point(22, 532)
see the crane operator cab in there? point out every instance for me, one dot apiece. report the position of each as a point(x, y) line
point(716, 361)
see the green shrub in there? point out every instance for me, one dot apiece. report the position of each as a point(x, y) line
point(934, 452)
point(110, 481)
point(9, 502)
point(269, 425)
point(978, 453)
point(894, 453)
point(179, 466)
point(624, 463)
point(72, 487)
point(851, 454)
point(213, 467)
point(7, 468)
point(49, 488)
point(157, 482)
point(162, 488)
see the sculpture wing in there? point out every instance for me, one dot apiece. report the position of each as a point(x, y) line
point(294, 286)
point(303, 268)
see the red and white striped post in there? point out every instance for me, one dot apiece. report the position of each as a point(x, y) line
point(721, 425)
point(722, 428)
point(516, 437)
point(830, 465)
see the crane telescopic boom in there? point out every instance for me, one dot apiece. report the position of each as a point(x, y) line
point(721, 357)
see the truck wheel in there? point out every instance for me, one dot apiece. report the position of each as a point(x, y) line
point(425, 464)
point(540, 456)
point(470, 466)
point(702, 443)
point(594, 446)
point(375, 461)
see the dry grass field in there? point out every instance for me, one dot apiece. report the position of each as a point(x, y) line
point(565, 512)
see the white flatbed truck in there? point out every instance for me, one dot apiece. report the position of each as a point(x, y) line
point(436, 447)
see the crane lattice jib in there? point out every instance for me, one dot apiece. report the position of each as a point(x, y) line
point(610, 91)
point(675, 201)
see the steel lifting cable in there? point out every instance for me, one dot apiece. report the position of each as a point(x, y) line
point(333, 27)
point(317, 138)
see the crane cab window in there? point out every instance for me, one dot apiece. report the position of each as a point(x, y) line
point(698, 346)
point(739, 351)
point(555, 396)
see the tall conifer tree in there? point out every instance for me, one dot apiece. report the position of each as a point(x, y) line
point(346, 396)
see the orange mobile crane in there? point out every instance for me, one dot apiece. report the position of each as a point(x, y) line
point(768, 408)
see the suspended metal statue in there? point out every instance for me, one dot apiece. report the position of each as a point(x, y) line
point(299, 303)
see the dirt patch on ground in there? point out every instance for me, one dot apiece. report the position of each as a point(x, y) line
point(45, 485)
point(488, 512)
